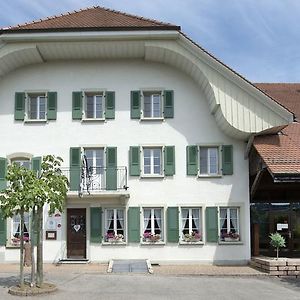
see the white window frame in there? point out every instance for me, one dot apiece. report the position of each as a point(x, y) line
point(201, 224)
point(209, 174)
point(20, 161)
point(94, 94)
point(117, 241)
point(228, 217)
point(153, 93)
point(152, 220)
point(13, 241)
point(152, 174)
point(28, 98)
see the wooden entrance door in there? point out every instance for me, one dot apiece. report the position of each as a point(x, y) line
point(76, 233)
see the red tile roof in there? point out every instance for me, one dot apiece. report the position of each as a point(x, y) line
point(287, 94)
point(94, 18)
point(281, 152)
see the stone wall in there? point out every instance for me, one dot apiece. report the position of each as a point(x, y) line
point(274, 267)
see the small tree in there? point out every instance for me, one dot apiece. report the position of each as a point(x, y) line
point(18, 198)
point(51, 188)
point(277, 241)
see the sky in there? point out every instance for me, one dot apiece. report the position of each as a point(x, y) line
point(257, 38)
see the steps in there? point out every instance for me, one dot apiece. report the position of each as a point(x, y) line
point(77, 261)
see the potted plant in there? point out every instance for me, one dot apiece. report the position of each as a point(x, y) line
point(230, 237)
point(149, 237)
point(277, 241)
point(193, 237)
point(111, 237)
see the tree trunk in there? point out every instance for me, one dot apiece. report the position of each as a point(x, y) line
point(33, 242)
point(22, 250)
point(39, 255)
point(277, 250)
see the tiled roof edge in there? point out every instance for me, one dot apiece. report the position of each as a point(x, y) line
point(18, 29)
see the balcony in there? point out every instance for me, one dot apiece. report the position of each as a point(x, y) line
point(95, 180)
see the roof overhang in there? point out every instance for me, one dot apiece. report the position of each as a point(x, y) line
point(240, 109)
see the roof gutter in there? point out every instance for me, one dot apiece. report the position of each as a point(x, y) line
point(87, 35)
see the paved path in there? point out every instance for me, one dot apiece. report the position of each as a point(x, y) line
point(78, 286)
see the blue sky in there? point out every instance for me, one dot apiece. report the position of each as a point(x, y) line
point(258, 38)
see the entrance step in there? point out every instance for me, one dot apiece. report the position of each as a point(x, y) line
point(73, 261)
point(130, 266)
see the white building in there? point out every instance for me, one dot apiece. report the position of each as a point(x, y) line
point(152, 127)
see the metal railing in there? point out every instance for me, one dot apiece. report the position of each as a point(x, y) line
point(96, 179)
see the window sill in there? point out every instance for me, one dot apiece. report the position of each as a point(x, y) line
point(35, 121)
point(114, 243)
point(152, 119)
point(191, 243)
point(93, 120)
point(151, 176)
point(230, 243)
point(9, 246)
point(153, 243)
point(209, 176)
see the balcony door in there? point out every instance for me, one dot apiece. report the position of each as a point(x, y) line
point(95, 163)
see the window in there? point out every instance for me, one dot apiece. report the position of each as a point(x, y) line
point(36, 109)
point(229, 224)
point(23, 162)
point(152, 104)
point(95, 168)
point(209, 160)
point(153, 225)
point(16, 229)
point(152, 160)
point(94, 103)
point(191, 225)
point(114, 225)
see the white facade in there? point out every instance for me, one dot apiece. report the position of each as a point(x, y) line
point(196, 122)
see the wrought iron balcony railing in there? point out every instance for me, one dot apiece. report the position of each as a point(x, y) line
point(96, 179)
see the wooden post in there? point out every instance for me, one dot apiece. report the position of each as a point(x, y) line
point(255, 235)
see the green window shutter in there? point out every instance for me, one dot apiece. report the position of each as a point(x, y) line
point(2, 230)
point(3, 169)
point(109, 105)
point(135, 105)
point(227, 160)
point(19, 106)
point(96, 224)
point(192, 160)
point(134, 224)
point(169, 104)
point(173, 224)
point(77, 105)
point(211, 217)
point(75, 157)
point(134, 161)
point(51, 105)
point(169, 160)
point(36, 164)
point(111, 168)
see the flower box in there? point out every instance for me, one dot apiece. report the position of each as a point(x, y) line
point(151, 238)
point(230, 239)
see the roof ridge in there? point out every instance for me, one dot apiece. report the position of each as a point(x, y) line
point(85, 9)
point(271, 83)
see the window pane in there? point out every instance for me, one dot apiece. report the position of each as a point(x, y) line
point(99, 111)
point(89, 107)
point(156, 105)
point(42, 107)
point(213, 160)
point(33, 108)
point(203, 160)
point(147, 106)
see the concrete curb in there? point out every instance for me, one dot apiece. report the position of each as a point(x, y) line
point(47, 288)
point(110, 266)
point(150, 269)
